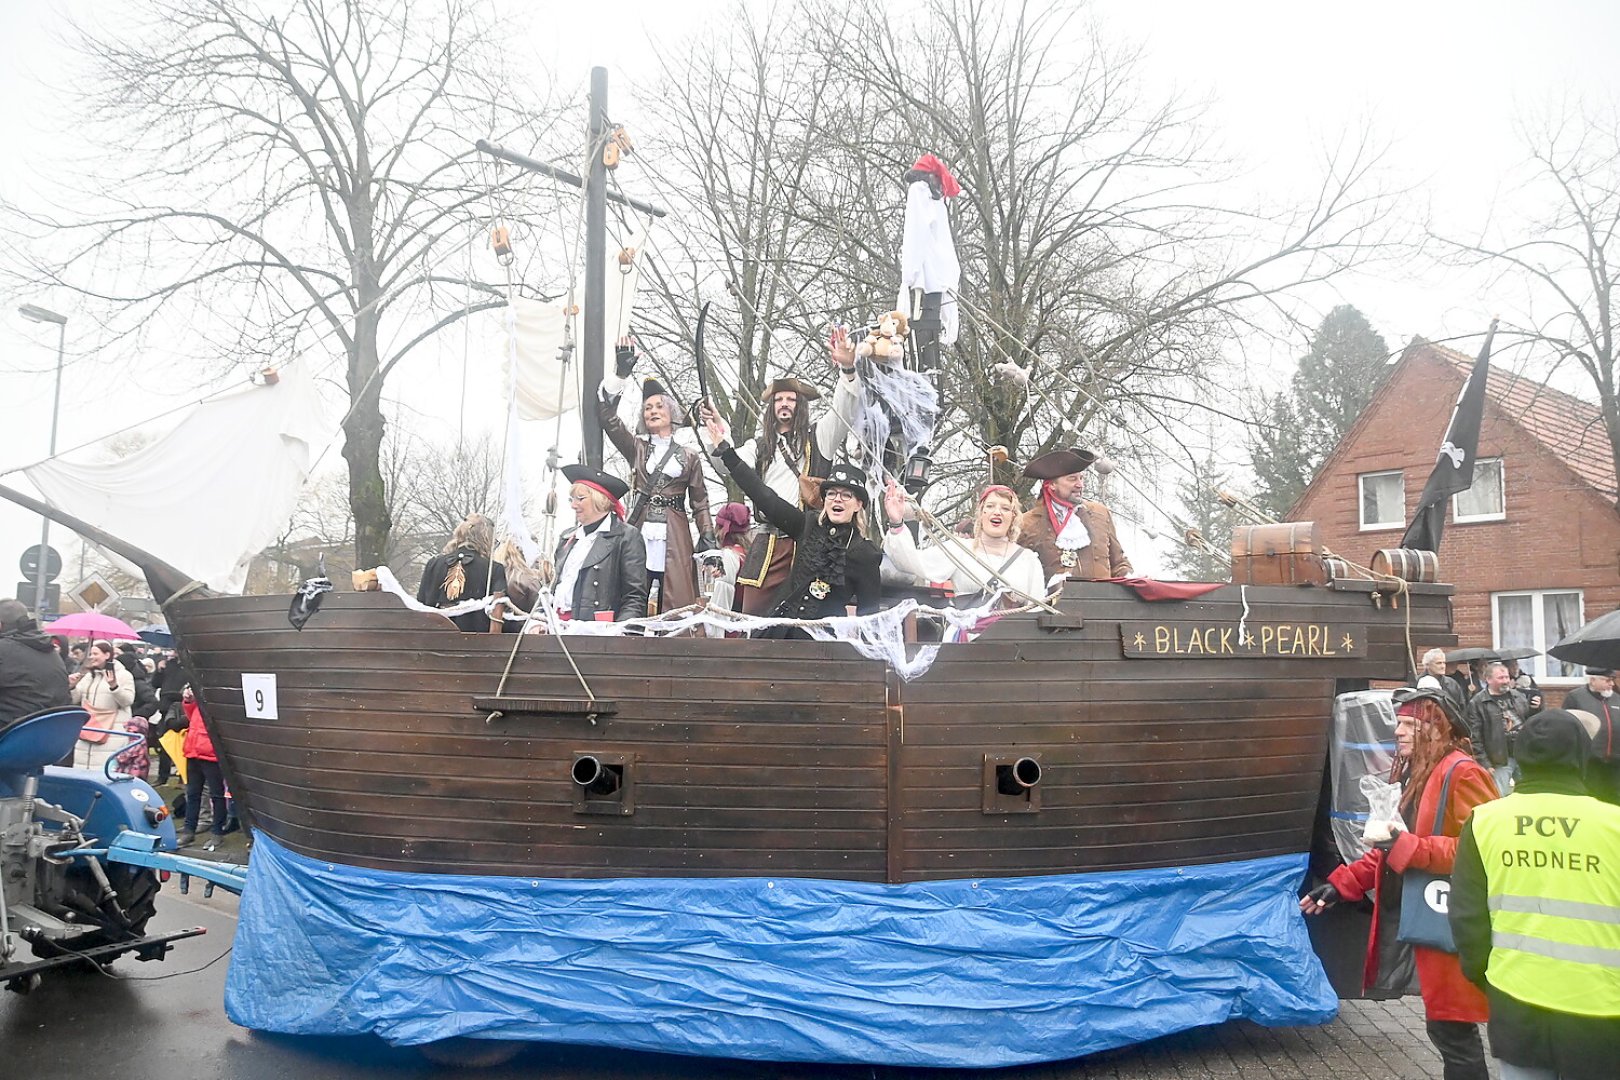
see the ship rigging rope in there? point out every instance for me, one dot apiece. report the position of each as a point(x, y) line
point(549, 513)
point(940, 534)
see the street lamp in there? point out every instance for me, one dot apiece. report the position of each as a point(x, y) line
point(35, 313)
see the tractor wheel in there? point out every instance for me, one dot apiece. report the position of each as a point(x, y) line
point(463, 1053)
point(136, 888)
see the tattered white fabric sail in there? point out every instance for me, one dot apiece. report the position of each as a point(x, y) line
point(514, 522)
point(536, 335)
point(212, 493)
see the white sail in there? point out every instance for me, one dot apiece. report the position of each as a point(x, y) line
point(536, 332)
point(212, 493)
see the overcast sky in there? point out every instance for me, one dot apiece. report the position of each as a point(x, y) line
point(1441, 83)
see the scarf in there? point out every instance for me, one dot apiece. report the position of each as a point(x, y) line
point(1062, 516)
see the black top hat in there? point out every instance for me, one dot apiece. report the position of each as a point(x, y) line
point(1056, 463)
point(584, 474)
point(1448, 706)
point(846, 476)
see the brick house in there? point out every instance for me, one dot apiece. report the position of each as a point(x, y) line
point(1533, 547)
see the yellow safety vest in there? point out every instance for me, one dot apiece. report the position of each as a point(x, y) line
point(1552, 867)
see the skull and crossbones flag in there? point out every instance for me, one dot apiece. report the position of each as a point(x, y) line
point(1454, 467)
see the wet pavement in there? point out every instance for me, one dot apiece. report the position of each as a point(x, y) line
point(165, 1021)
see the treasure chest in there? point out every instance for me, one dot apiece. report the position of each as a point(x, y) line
point(1285, 554)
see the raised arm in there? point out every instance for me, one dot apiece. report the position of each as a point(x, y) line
point(839, 421)
point(777, 510)
point(607, 411)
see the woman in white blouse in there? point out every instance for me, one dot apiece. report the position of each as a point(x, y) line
point(106, 691)
point(991, 559)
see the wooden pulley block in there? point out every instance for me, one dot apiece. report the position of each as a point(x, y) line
point(500, 241)
point(627, 259)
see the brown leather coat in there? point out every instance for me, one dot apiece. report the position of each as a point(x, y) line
point(680, 571)
point(1102, 558)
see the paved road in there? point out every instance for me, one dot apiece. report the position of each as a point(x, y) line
point(84, 1025)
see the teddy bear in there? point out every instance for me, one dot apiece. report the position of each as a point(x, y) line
point(886, 343)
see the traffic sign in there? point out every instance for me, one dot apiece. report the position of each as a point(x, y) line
point(30, 562)
point(27, 593)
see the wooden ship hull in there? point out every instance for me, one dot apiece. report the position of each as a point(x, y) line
point(798, 758)
point(801, 856)
point(1083, 829)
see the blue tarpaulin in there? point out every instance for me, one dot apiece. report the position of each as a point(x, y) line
point(947, 973)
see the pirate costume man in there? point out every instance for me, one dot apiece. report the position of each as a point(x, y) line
point(788, 455)
point(601, 564)
point(663, 476)
point(833, 564)
point(1073, 536)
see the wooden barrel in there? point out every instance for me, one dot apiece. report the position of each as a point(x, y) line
point(1285, 554)
point(1337, 567)
point(1408, 564)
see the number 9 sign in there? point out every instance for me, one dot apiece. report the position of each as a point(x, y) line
point(259, 696)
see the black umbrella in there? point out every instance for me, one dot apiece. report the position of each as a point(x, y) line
point(1522, 652)
point(1597, 644)
point(1457, 656)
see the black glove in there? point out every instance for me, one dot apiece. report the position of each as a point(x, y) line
point(624, 360)
point(1323, 896)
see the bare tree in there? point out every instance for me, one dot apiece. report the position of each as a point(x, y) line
point(1097, 254)
point(741, 145)
point(294, 183)
point(1558, 252)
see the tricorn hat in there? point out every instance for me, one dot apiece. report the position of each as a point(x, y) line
point(846, 476)
point(651, 387)
point(1459, 726)
point(788, 384)
point(609, 485)
point(1056, 463)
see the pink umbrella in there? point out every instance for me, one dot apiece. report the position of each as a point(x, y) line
point(93, 624)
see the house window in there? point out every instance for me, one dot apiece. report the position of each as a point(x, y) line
point(1538, 620)
point(1383, 500)
point(1487, 499)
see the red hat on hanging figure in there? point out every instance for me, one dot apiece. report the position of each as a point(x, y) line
point(948, 187)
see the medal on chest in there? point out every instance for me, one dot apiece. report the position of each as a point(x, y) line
point(820, 589)
point(1068, 556)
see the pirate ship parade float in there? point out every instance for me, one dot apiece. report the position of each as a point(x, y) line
point(1083, 828)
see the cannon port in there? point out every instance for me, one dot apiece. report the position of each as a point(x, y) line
point(603, 783)
point(1012, 784)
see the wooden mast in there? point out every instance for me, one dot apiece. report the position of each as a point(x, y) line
point(595, 267)
point(594, 183)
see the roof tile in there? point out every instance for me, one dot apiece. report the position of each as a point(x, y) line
point(1570, 428)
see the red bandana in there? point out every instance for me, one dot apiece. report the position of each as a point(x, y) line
point(1058, 512)
point(617, 505)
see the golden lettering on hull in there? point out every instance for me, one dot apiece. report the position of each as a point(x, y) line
point(1291, 641)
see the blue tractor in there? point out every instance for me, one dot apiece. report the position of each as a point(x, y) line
point(61, 895)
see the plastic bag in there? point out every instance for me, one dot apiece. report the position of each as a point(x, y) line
point(1383, 810)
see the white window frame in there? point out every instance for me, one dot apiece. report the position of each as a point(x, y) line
point(1538, 629)
point(1361, 501)
point(1458, 518)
